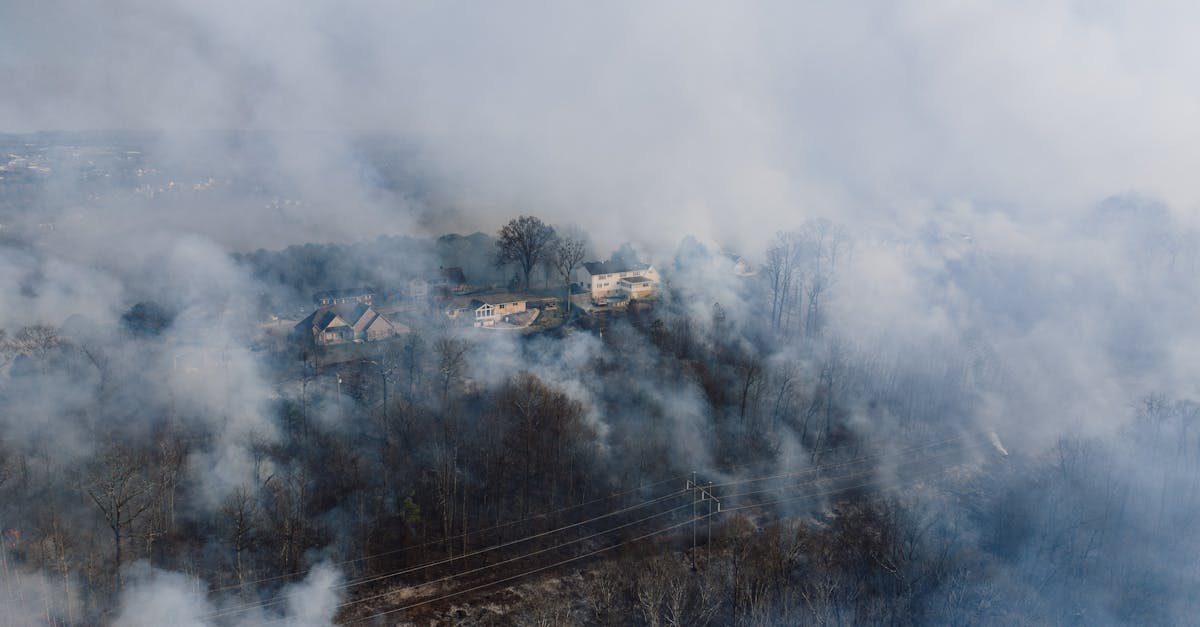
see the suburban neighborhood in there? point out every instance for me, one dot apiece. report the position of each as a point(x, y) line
point(357, 315)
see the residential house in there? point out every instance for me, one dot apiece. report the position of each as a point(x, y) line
point(635, 287)
point(451, 280)
point(447, 281)
point(364, 295)
point(345, 322)
point(486, 310)
point(614, 281)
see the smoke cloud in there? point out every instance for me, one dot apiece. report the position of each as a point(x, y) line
point(733, 118)
point(1012, 182)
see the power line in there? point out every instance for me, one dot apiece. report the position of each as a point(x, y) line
point(692, 521)
point(608, 548)
point(692, 485)
point(521, 557)
point(229, 611)
point(280, 598)
point(460, 536)
point(464, 535)
point(523, 574)
point(511, 542)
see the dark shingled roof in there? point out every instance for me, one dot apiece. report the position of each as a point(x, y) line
point(322, 321)
point(359, 316)
point(635, 279)
point(611, 267)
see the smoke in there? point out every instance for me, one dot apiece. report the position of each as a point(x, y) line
point(741, 119)
point(1014, 178)
point(314, 602)
point(157, 597)
point(36, 598)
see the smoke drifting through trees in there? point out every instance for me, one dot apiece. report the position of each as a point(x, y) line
point(922, 201)
point(143, 440)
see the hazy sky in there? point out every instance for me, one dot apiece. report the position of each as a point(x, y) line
point(728, 112)
point(999, 125)
point(965, 144)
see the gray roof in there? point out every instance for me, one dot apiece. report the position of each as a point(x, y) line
point(612, 267)
point(358, 315)
point(496, 299)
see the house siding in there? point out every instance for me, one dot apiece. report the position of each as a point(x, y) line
point(605, 285)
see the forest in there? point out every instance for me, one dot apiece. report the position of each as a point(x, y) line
point(636, 314)
point(726, 455)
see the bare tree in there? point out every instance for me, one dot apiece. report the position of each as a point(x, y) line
point(800, 268)
point(524, 241)
point(37, 341)
point(121, 493)
point(751, 376)
point(546, 441)
point(452, 360)
point(824, 244)
point(782, 259)
point(831, 385)
point(240, 511)
point(667, 594)
point(606, 592)
point(566, 253)
point(541, 610)
point(412, 356)
point(446, 475)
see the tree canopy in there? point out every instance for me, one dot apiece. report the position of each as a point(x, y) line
point(524, 241)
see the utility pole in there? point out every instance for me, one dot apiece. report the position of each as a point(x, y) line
point(702, 493)
point(693, 520)
point(707, 492)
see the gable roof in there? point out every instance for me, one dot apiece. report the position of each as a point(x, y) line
point(307, 323)
point(379, 323)
point(320, 320)
point(365, 318)
point(613, 267)
point(358, 316)
point(329, 319)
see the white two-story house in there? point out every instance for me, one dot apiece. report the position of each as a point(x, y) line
point(606, 280)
